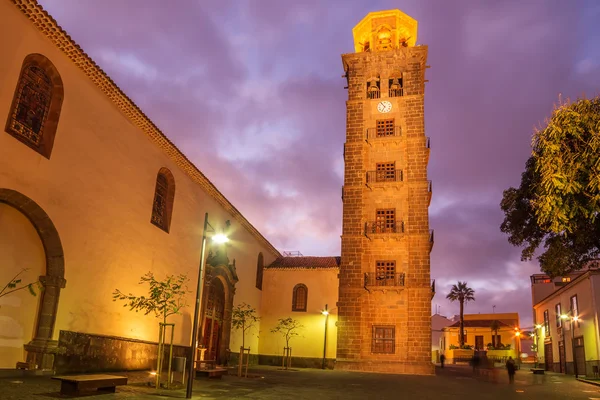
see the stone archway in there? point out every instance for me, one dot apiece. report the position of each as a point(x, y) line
point(218, 268)
point(41, 350)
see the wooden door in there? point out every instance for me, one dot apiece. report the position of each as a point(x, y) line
point(478, 342)
point(580, 355)
point(562, 359)
point(548, 357)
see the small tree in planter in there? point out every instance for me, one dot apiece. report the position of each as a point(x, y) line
point(289, 328)
point(164, 298)
point(243, 317)
point(15, 285)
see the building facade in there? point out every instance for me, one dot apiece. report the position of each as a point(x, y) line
point(486, 332)
point(385, 289)
point(571, 343)
point(93, 196)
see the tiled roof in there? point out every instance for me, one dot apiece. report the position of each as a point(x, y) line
point(306, 262)
point(482, 323)
point(50, 28)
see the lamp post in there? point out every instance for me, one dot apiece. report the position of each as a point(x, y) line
point(518, 345)
point(220, 238)
point(325, 312)
point(536, 341)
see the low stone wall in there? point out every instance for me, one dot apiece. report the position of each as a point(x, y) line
point(85, 352)
point(297, 362)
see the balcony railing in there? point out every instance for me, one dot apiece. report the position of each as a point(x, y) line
point(396, 92)
point(374, 279)
point(381, 227)
point(384, 176)
point(374, 133)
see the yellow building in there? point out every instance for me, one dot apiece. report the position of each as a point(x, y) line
point(93, 196)
point(485, 332)
point(564, 345)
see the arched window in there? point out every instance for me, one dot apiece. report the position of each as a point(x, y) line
point(36, 105)
point(373, 88)
point(300, 297)
point(164, 194)
point(259, 271)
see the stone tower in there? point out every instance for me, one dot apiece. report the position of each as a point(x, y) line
point(385, 289)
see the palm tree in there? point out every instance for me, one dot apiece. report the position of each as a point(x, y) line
point(461, 293)
point(495, 326)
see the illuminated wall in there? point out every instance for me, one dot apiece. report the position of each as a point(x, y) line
point(278, 287)
point(20, 247)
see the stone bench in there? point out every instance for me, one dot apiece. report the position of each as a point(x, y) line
point(215, 373)
point(73, 385)
point(537, 371)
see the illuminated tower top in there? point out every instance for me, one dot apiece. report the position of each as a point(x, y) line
point(384, 30)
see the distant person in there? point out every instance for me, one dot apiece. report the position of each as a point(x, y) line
point(511, 368)
point(442, 359)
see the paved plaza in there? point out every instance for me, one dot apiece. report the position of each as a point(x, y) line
point(272, 384)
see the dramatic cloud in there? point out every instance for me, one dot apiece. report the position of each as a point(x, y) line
point(252, 94)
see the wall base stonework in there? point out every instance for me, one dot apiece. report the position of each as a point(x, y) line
point(84, 352)
point(386, 367)
point(297, 362)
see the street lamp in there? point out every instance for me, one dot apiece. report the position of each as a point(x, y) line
point(325, 312)
point(574, 318)
point(217, 238)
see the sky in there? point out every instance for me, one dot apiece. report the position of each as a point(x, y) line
point(252, 92)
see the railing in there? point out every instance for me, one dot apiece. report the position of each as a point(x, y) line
point(373, 93)
point(374, 133)
point(384, 176)
point(396, 92)
point(374, 279)
point(382, 227)
point(292, 254)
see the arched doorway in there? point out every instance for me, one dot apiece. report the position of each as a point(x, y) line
point(41, 350)
point(213, 320)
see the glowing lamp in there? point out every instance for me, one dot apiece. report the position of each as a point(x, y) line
point(538, 326)
point(518, 333)
point(220, 238)
point(325, 312)
point(564, 316)
point(576, 318)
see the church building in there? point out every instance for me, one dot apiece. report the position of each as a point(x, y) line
point(93, 196)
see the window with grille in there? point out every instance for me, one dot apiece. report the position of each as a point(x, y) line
point(36, 106)
point(574, 308)
point(546, 323)
point(385, 220)
point(396, 88)
point(385, 127)
point(386, 172)
point(383, 339)
point(164, 194)
point(558, 312)
point(260, 266)
point(300, 297)
point(385, 273)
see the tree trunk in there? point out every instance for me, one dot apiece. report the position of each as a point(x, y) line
point(462, 325)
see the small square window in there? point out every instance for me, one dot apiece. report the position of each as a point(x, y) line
point(384, 340)
point(385, 127)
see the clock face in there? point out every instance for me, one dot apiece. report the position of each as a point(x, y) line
point(384, 107)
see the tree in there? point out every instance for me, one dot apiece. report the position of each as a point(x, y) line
point(243, 317)
point(557, 201)
point(289, 328)
point(461, 293)
point(495, 326)
point(15, 285)
point(164, 298)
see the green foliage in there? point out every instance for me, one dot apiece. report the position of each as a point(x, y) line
point(567, 161)
point(453, 347)
point(164, 298)
point(243, 317)
point(466, 347)
point(557, 202)
point(289, 328)
point(15, 284)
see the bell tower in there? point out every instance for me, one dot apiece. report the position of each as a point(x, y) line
point(385, 290)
